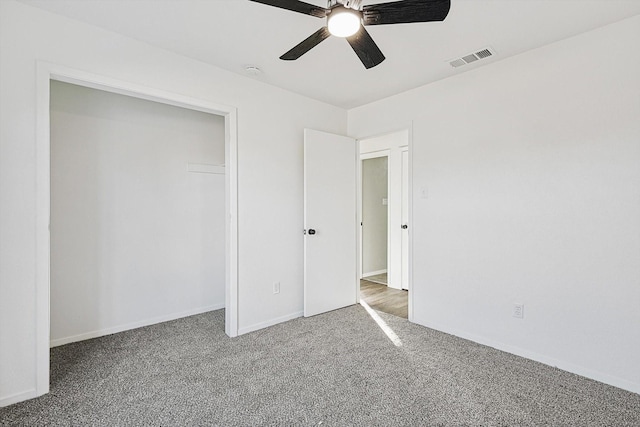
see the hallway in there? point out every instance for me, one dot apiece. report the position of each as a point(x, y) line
point(382, 298)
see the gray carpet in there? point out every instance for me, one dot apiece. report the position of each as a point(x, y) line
point(334, 369)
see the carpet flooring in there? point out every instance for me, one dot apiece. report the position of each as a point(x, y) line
point(335, 369)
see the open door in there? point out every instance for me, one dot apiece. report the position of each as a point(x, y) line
point(405, 220)
point(330, 222)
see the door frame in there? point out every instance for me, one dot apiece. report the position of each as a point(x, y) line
point(409, 129)
point(45, 73)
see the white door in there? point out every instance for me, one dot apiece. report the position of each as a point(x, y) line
point(330, 222)
point(405, 220)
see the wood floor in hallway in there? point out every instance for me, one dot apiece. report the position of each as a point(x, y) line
point(385, 299)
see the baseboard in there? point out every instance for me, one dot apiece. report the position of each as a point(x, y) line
point(374, 273)
point(19, 397)
point(147, 322)
point(268, 323)
point(550, 361)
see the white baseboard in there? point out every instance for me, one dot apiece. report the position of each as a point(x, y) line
point(550, 361)
point(19, 397)
point(134, 325)
point(374, 273)
point(268, 323)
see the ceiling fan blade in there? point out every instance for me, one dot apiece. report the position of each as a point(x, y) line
point(306, 45)
point(366, 49)
point(296, 6)
point(407, 11)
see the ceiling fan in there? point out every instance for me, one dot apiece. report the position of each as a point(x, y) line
point(347, 19)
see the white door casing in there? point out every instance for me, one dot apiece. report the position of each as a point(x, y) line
point(330, 222)
point(47, 72)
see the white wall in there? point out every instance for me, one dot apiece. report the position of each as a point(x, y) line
point(270, 132)
point(135, 236)
point(375, 186)
point(531, 167)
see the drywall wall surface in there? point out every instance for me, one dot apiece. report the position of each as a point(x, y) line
point(270, 137)
point(374, 214)
point(525, 191)
point(134, 234)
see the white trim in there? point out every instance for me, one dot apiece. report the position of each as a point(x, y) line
point(45, 73)
point(550, 361)
point(268, 323)
point(374, 154)
point(358, 219)
point(133, 325)
point(18, 397)
point(373, 273)
point(43, 209)
point(231, 314)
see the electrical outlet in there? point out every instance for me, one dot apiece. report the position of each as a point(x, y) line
point(518, 311)
point(276, 288)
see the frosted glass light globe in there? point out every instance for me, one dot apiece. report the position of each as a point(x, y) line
point(343, 22)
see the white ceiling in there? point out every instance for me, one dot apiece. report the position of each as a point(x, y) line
point(233, 34)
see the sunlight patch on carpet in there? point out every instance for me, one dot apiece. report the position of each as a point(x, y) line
point(382, 324)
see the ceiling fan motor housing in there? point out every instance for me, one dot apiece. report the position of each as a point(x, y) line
point(351, 4)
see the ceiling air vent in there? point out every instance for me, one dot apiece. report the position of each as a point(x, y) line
point(472, 57)
point(485, 53)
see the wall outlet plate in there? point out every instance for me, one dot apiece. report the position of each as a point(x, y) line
point(518, 311)
point(276, 288)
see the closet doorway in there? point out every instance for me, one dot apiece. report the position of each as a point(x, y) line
point(137, 212)
point(154, 228)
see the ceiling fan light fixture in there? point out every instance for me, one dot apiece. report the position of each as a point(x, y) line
point(349, 18)
point(343, 22)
